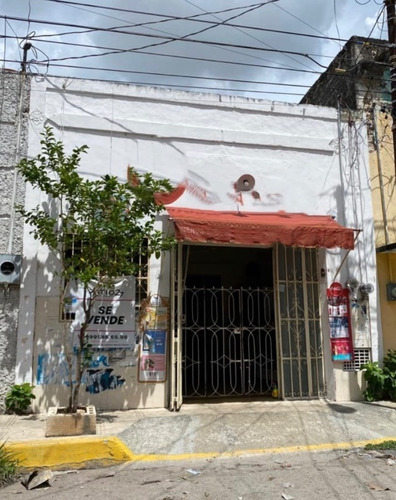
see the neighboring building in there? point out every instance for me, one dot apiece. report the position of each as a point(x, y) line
point(358, 83)
point(14, 111)
point(268, 212)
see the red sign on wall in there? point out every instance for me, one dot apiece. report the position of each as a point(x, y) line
point(340, 322)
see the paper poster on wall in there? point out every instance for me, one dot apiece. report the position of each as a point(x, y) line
point(155, 318)
point(341, 350)
point(340, 322)
point(153, 331)
point(152, 364)
point(111, 323)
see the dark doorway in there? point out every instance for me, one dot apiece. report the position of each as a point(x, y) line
point(229, 338)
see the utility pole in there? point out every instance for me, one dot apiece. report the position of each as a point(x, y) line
point(391, 19)
point(26, 47)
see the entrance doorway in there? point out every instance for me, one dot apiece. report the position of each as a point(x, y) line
point(228, 328)
point(245, 319)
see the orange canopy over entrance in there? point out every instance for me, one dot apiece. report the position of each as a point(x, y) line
point(255, 228)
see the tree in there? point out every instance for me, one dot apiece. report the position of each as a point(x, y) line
point(111, 221)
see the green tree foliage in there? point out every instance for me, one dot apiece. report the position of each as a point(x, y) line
point(110, 219)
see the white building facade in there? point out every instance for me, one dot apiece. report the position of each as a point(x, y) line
point(271, 206)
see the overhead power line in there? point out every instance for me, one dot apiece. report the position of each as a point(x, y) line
point(201, 87)
point(165, 38)
point(248, 51)
point(121, 30)
point(174, 75)
point(172, 56)
point(191, 19)
point(191, 77)
point(165, 16)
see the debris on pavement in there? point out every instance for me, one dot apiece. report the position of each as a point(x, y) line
point(39, 477)
point(193, 472)
point(376, 487)
point(62, 472)
point(151, 481)
point(283, 464)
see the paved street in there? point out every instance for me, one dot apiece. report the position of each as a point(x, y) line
point(302, 475)
point(201, 432)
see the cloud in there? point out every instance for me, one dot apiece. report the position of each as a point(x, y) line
point(242, 60)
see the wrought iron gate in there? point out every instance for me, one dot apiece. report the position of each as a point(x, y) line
point(228, 342)
point(301, 343)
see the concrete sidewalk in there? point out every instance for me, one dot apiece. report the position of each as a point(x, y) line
point(202, 431)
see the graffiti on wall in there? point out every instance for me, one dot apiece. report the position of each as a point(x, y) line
point(102, 380)
point(54, 369)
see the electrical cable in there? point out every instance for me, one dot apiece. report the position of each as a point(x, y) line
point(371, 31)
point(301, 20)
point(29, 12)
point(130, 11)
point(203, 42)
point(202, 87)
point(171, 75)
point(177, 56)
point(149, 35)
point(186, 37)
point(242, 31)
point(335, 18)
point(230, 25)
point(212, 25)
point(12, 29)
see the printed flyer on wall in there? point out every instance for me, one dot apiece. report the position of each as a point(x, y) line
point(152, 366)
point(340, 322)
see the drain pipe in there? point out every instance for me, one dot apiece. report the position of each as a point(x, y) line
point(380, 175)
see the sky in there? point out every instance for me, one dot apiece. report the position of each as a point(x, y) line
point(240, 47)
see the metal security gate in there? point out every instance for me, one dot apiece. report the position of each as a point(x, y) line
point(228, 342)
point(301, 348)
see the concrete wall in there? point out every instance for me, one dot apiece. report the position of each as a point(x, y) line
point(14, 110)
point(206, 142)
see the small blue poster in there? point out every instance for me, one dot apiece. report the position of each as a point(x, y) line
point(154, 341)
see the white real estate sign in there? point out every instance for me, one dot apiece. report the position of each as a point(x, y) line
point(111, 323)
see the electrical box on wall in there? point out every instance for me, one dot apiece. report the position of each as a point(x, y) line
point(10, 269)
point(391, 291)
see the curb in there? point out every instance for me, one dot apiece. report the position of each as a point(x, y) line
point(106, 451)
point(70, 453)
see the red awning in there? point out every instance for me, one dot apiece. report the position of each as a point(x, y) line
point(255, 228)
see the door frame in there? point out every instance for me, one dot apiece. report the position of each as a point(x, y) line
point(178, 277)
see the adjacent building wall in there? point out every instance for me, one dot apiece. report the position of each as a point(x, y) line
point(359, 79)
point(383, 182)
point(14, 111)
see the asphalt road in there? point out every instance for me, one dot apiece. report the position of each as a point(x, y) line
point(352, 474)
